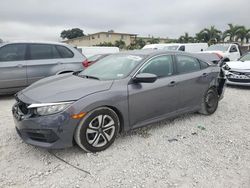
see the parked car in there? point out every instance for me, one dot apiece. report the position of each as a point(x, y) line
point(121, 92)
point(229, 52)
point(89, 51)
point(22, 63)
point(93, 59)
point(185, 47)
point(238, 72)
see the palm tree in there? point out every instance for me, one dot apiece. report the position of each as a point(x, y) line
point(186, 38)
point(201, 37)
point(243, 34)
point(211, 35)
point(232, 32)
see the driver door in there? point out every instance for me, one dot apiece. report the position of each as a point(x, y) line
point(148, 101)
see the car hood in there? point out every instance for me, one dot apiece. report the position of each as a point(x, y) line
point(65, 87)
point(239, 65)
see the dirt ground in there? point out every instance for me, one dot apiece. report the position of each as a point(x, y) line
point(189, 151)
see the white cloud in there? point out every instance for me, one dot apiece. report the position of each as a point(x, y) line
point(45, 19)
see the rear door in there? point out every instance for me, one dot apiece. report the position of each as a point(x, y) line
point(194, 78)
point(44, 60)
point(13, 66)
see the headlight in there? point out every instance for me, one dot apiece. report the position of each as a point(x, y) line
point(49, 108)
point(226, 67)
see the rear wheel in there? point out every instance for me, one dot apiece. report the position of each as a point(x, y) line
point(98, 130)
point(209, 102)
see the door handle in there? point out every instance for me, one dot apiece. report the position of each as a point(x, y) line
point(172, 83)
point(205, 74)
point(20, 65)
point(59, 63)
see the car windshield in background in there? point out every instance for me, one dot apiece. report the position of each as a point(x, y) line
point(218, 47)
point(113, 67)
point(245, 57)
point(171, 47)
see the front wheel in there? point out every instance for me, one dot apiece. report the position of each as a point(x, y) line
point(98, 130)
point(209, 102)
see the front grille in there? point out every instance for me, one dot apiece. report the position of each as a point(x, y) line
point(238, 80)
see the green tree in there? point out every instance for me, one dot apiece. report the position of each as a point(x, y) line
point(201, 37)
point(232, 32)
point(105, 44)
point(72, 33)
point(243, 34)
point(120, 44)
point(154, 40)
point(137, 44)
point(185, 38)
point(211, 35)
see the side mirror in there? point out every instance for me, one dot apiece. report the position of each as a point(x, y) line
point(145, 78)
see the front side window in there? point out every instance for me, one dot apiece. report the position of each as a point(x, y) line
point(187, 64)
point(160, 66)
point(43, 51)
point(233, 49)
point(13, 52)
point(182, 48)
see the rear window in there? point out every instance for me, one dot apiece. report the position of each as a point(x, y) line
point(43, 51)
point(13, 52)
point(64, 52)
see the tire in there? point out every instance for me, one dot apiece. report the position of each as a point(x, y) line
point(209, 102)
point(98, 130)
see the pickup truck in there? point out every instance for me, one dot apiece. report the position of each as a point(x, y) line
point(229, 52)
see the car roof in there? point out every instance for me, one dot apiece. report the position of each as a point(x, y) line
point(34, 42)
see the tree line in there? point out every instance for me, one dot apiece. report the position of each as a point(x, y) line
point(211, 35)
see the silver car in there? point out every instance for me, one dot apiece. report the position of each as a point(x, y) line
point(120, 92)
point(23, 63)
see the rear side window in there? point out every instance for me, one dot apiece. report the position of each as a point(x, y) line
point(161, 66)
point(64, 52)
point(43, 51)
point(13, 52)
point(187, 64)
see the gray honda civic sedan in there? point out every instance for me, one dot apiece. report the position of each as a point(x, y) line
point(120, 92)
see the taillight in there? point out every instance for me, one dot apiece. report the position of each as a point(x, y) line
point(85, 63)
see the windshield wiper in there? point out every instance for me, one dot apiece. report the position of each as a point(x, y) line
point(89, 77)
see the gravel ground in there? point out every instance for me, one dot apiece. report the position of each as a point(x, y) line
point(189, 151)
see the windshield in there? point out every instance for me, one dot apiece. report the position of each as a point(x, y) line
point(95, 57)
point(245, 57)
point(174, 48)
point(218, 47)
point(113, 67)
